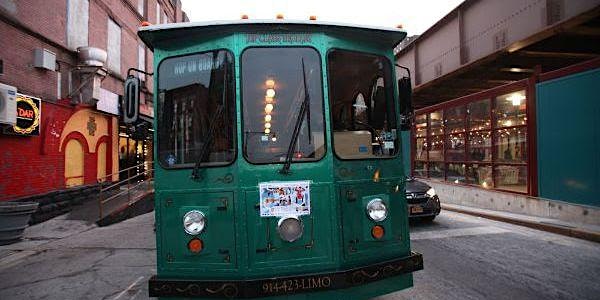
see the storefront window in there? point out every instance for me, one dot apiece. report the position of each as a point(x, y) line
point(512, 178)
point(436, 170)
point(455, 147)
point(482, 142)
point(421, 126)
point(511, 145)
point(436, 149)
point(420, 169)
point(436, 123)
point(480, 175)
point(479, 115)
point(421, 149)
point(455, 119)
point(480, 146)
point(456, 173)
point(510, 110)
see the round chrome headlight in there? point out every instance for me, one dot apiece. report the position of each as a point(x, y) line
point(290, 228)
point(194, 222)
point(376, 210)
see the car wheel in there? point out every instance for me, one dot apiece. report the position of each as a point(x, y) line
point(428, 219)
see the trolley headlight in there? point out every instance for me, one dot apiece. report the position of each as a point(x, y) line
point(290, 228)
point(431, 192)
point(376, 210)
point(194, 222)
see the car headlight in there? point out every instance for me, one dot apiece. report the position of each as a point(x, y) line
point(290, 228)
point(194, 222)
point(376, 210)
point(431, 192)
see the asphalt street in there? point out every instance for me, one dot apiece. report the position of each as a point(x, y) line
point(465, 257)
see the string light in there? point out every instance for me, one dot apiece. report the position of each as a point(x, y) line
point(268, 108)
point(270, 93)
point(270, 83)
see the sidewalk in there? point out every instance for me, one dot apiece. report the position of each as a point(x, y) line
point(75, 259)
point(581, 231)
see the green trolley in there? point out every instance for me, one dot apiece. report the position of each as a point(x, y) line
point(278, 160)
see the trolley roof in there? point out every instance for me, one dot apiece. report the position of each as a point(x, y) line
point(154, 34)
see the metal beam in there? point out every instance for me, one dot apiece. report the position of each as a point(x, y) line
point(550, 54)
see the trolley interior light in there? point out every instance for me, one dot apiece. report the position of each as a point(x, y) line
point(270, 93)
point(269, 108)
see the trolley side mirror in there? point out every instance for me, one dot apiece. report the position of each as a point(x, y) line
point(131, 100)
point(405, 97)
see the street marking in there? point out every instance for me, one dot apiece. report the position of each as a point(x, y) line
point(439, 234)
point(129, 288)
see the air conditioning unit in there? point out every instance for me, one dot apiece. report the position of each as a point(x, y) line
point(8, 104)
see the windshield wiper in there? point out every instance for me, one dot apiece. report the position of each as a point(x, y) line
point(211, 130)
point(207, 143)
point(303, 109)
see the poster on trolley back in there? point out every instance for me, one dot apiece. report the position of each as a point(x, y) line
point(288, 198)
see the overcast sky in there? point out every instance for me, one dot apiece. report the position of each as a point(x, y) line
point(415, 15)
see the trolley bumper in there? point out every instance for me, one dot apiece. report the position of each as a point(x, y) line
point(265, 287)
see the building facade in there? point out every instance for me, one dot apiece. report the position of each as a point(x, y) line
point(65, 62)
point(505, 107)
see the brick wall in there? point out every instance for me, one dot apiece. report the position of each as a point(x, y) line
point(34, 165)
point(18, 64)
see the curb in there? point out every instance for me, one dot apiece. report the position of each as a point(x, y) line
point(571, 232)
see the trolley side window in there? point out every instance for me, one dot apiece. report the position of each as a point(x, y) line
point(196, 110)
point(363, 111)
point(273, 90)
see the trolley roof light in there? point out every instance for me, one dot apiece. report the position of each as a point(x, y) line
point(194, 222)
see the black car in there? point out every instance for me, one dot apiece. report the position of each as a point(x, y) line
point(423, 202)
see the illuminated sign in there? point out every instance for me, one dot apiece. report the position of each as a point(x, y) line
point(29, 111)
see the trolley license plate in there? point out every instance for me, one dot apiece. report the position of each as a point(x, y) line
point(416, 209)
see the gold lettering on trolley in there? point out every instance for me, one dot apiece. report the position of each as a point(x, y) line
point(294, 285)
point(274, 38)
